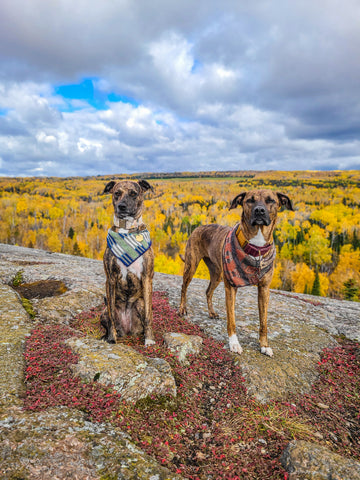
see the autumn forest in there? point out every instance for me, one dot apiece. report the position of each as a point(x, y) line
point(318, 244)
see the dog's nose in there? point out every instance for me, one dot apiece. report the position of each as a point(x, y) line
point(121, 208)
point(259, 211)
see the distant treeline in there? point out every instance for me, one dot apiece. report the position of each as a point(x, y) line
point(318, 245)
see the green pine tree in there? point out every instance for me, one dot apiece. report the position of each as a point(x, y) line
point(316, 285)
point(76, 250)
point(351, 290)
point(355, 241)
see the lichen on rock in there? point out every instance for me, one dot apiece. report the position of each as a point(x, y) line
point(309, 461)
point(60, 444)
point(131, 374)
point(14, 328)
point(183, 345)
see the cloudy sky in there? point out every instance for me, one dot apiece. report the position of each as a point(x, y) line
point(122, 86)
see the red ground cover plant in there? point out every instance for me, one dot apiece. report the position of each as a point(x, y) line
point(333, 407)
point(211, 429)
point(49, 380)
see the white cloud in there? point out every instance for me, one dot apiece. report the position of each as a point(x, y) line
point(224, 73)
point(41, 137)
point(248, 85)
point(129, 138)
point(172, 57)
point(85, 145)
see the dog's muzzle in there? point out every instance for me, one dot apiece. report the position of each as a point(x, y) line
point(260, 215)
point(122, 210)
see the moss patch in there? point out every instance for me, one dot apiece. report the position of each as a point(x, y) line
point(28, 307)
point(18, 279)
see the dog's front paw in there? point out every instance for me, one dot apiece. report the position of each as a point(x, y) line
point(267, 351)
point(149, 342)
point(182, 311)
point(108, 339)
point(235, 345)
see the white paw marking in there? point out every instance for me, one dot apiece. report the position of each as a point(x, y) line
point(234, 344)
point(149, 342)
point(267, 351)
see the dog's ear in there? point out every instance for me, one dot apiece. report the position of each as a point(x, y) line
point(145, 185)
point(238, 200)
point(284, 201)
point(109, 187)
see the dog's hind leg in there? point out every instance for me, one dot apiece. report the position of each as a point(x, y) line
point(215, 279)
point(191, 264)
point(110, 335)
point(104, 322)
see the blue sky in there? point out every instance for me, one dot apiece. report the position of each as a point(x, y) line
point(91, 88)
point(87, 91)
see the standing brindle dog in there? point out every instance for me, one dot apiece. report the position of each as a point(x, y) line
point(129, 265)
point(241, 256)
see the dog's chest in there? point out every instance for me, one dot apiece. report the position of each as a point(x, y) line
point(258, 240)
point(136, 268)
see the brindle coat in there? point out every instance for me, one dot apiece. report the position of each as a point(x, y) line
point(128, 289)
point(260, 208)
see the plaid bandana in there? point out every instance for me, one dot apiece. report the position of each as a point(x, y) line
point(245, 265)
point(128, 247)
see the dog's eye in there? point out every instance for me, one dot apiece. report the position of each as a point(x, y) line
point(270, 200)
point(132, 193)
point(250, 200)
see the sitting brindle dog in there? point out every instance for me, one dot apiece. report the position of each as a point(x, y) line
point(243, 255)
point(129, 265)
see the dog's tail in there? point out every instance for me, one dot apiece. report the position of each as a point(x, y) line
point(182, 257)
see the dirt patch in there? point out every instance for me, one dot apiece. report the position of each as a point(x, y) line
point(41, 289)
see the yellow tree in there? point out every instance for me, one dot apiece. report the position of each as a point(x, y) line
point(303, 278)
point(53, 241)
point(348, 268)
point(315, 250)
point(276, 282)
point(169, 265)
point(324, 284)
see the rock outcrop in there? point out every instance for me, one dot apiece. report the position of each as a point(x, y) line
point(183, 345)
point(60, 444)
point(32, 445)
point(300, 327)
point(14, 328)
point(308, 461)
point(131, 374)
